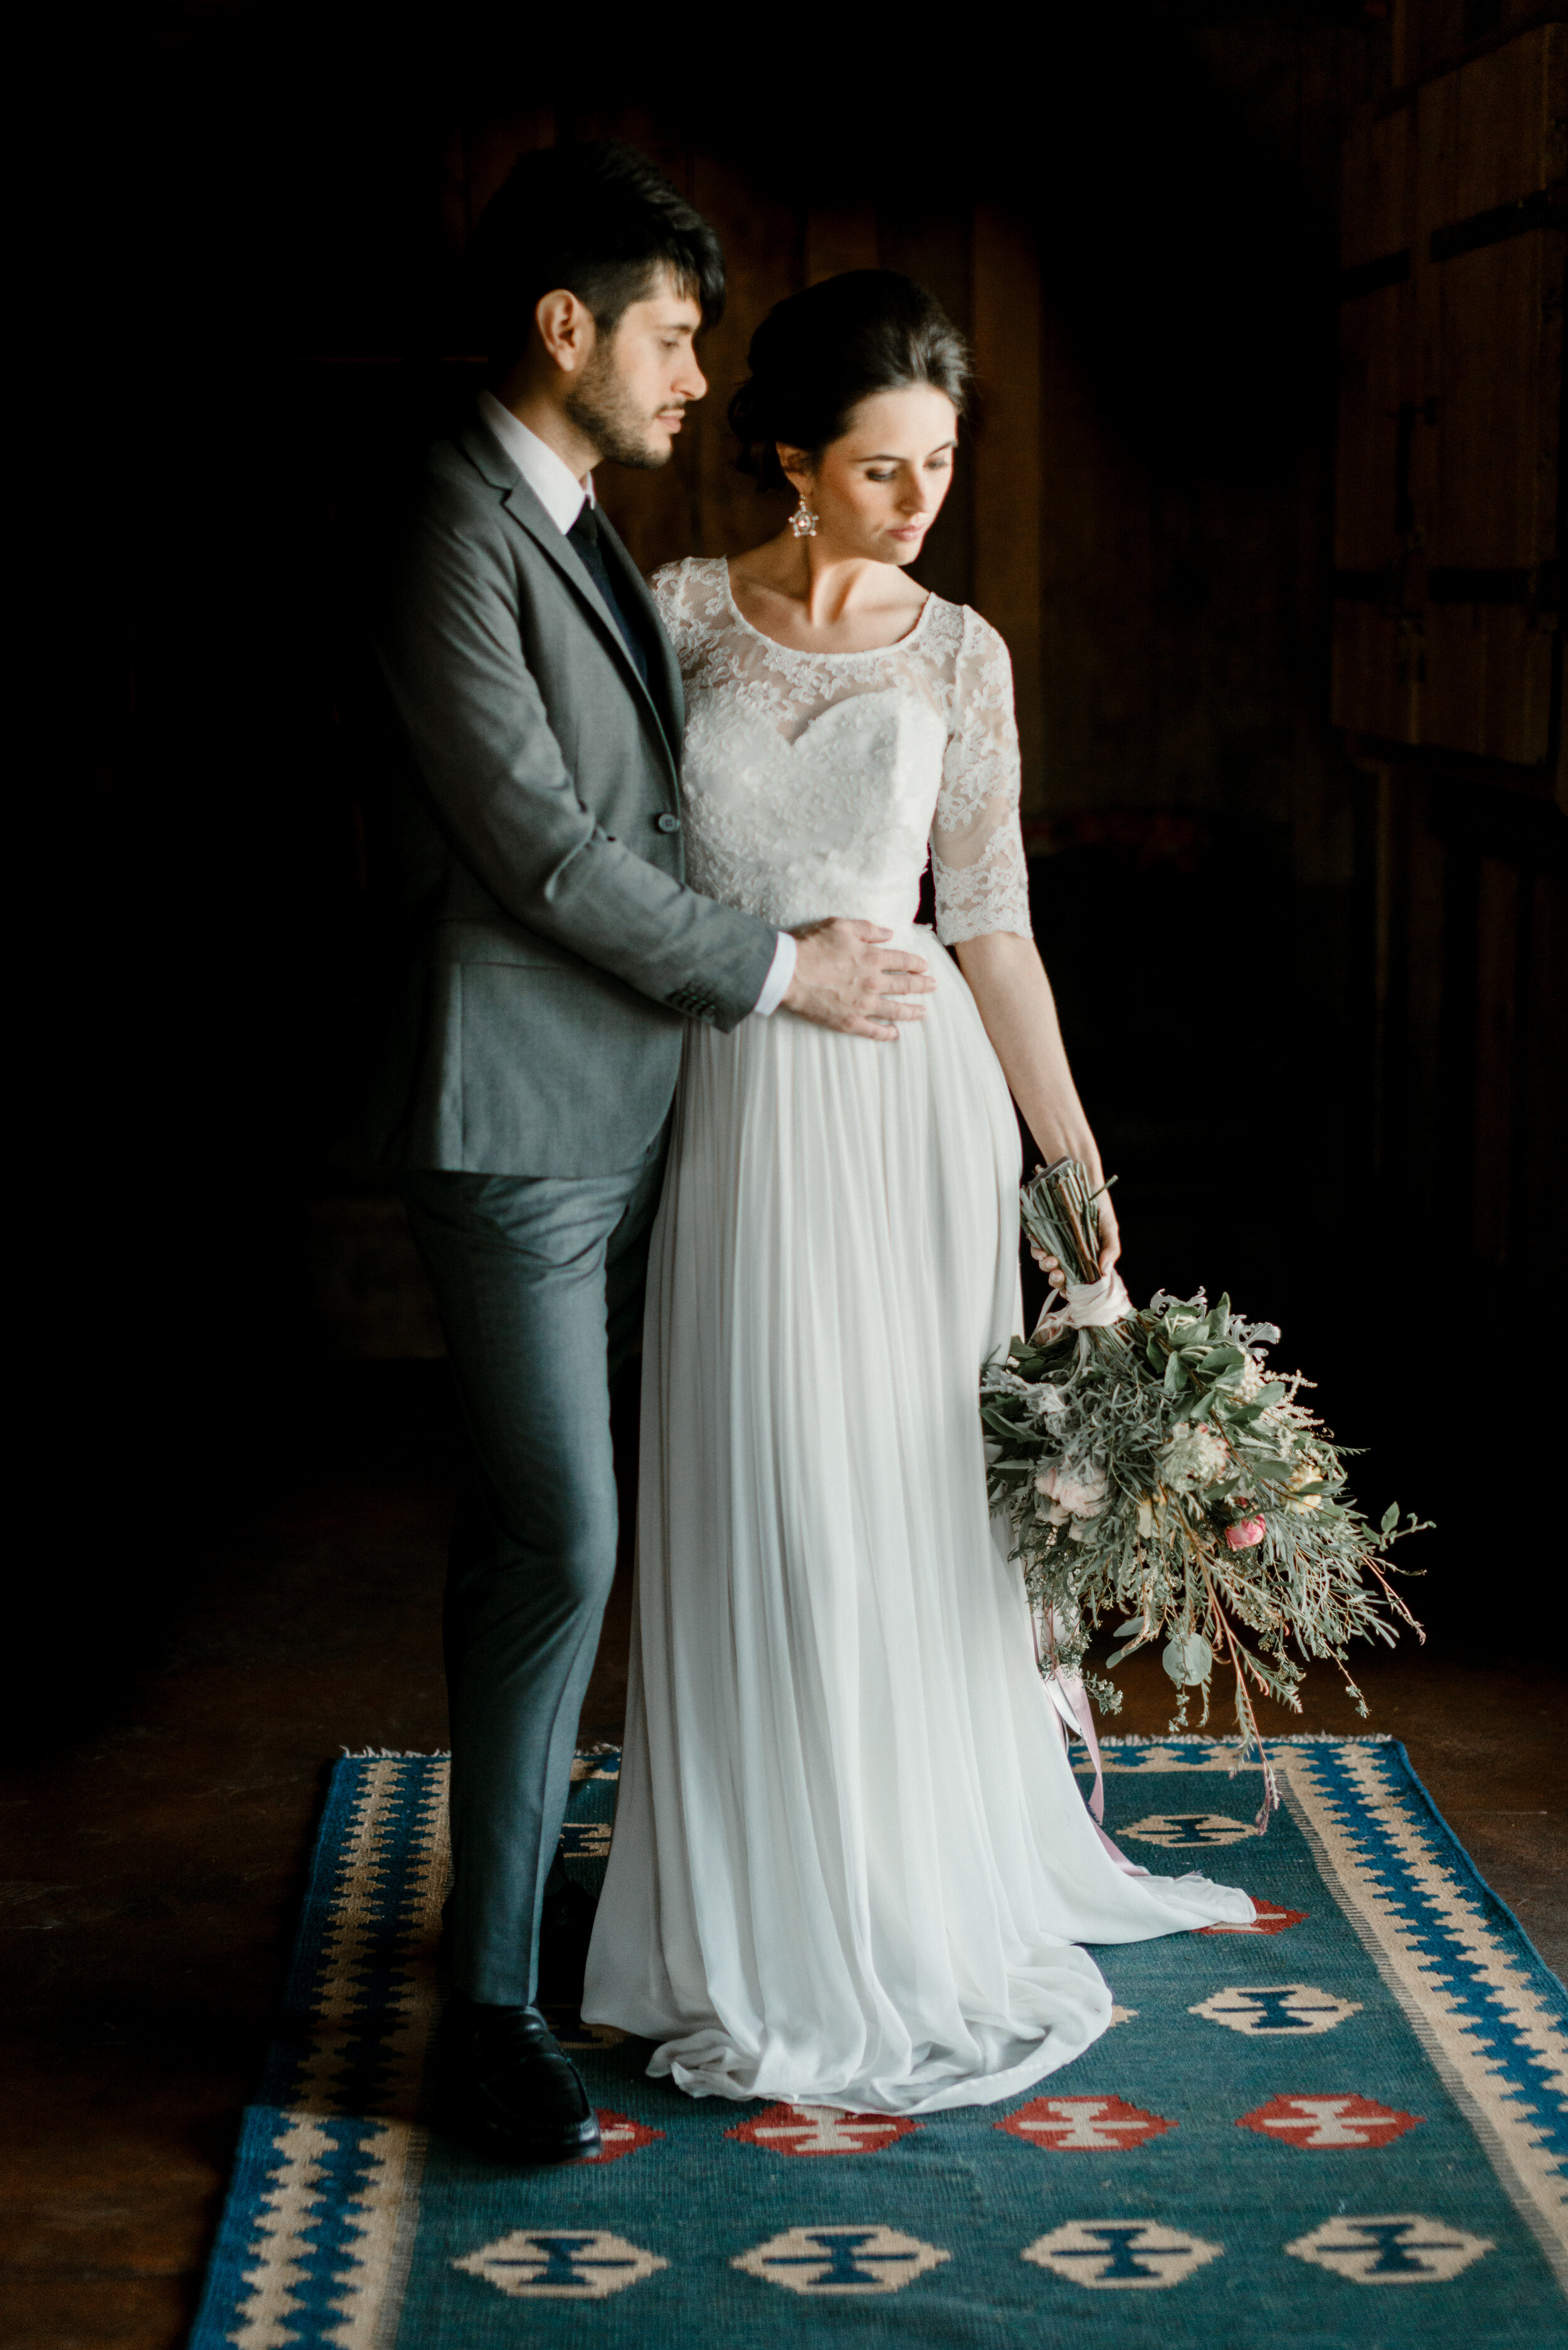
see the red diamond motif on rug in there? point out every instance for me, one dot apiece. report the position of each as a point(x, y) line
point(1328, 2121)
point(620, 2135)
point(1271, 1919)
point(821, 2129)
point(1084, 2125)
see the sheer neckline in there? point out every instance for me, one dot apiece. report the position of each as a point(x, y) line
point(867, 652)
point(783, 820)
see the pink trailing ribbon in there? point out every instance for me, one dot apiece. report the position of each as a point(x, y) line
point(1071, 1700)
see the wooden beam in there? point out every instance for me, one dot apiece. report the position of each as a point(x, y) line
point(762, 241)
point(1005, 297)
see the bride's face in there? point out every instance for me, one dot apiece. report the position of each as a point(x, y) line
point(877, 489)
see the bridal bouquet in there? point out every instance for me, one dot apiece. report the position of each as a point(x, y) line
point(1150, 1464)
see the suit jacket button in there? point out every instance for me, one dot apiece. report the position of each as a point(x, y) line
point(668, 823)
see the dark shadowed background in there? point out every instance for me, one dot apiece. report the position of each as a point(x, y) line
point(1307, 967)
point(1263, 492)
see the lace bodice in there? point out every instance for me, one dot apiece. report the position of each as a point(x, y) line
point(813, 781)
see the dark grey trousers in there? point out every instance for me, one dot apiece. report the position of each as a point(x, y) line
point(539, 1282)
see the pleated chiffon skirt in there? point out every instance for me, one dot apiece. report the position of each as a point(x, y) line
point(851, 1864)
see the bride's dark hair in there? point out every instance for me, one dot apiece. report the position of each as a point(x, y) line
point(818, 355)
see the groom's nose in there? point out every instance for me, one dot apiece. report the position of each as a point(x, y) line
point(690, 382)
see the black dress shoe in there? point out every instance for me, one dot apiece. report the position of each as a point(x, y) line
point(566, 1930)
point(509, 2091)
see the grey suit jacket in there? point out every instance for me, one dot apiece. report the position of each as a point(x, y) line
point(543, 949)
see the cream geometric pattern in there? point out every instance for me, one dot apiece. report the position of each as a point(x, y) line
point(1266, 2009)
point(1117, 2255)
point(393, 2147)
point(841, 2259)
point(561, 2264)
point(1390, 2248)
point(1189, 1831)
point(1456, 2039)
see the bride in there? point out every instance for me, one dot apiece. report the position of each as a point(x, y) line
point(851, 1864)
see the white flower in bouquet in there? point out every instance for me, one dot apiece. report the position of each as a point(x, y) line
point(1078, 1491)
point(1283, 1424)
point(1252, 1379)
point(1307, 1471)
point(1194, 1456)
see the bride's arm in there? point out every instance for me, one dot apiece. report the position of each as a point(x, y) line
point(981, 878)
point(1008, 982)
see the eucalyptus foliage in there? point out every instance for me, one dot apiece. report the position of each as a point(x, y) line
point(1157, 1470)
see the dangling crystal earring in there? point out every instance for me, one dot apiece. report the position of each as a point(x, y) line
point(803, 521)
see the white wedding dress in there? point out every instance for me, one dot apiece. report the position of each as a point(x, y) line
point(851, 1864)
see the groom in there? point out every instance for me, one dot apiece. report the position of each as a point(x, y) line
point(547, 955)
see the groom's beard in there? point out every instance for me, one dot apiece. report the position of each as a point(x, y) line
point(602, 408)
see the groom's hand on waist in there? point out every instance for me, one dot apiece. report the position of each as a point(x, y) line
point(846, 977)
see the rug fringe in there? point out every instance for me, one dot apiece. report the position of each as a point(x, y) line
point(1107, 1738)
point(1200, 1738)
point(395, 1753)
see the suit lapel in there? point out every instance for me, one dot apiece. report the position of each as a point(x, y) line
point(524, 509)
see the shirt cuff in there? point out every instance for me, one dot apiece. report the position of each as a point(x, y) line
point(780, 970)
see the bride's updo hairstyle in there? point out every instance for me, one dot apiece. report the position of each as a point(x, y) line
point(818, 355)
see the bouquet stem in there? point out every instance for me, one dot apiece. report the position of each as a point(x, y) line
point(1059, 1215)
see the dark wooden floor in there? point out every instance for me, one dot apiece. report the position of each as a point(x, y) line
point(155, 1864)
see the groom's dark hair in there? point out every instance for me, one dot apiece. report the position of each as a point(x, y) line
point(598, 219)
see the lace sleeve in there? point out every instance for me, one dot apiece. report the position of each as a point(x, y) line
point(976, 843)
point(667, 588)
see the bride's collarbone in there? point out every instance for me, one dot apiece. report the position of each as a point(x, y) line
point(880, 616)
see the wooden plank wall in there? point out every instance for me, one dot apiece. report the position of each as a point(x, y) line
point(1472, 1042)
point(1449, 638)
point(1006, 514)
point(1454, 246)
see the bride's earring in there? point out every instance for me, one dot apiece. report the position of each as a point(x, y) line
point(803, 521)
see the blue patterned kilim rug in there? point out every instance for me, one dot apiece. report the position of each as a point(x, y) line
point(1346, 2124)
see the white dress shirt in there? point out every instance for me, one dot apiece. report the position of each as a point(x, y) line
point(563, 497)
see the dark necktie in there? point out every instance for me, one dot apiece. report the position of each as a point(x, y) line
point(584, 536)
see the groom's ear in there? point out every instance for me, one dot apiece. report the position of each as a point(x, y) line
point(567, 330)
